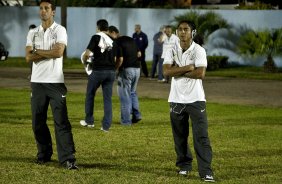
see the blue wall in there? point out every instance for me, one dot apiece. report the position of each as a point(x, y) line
point(81, 24)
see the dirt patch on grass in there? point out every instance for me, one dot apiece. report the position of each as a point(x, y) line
point(218, 90)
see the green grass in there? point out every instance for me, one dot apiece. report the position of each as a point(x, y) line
point(246, 142)
point(246, 72)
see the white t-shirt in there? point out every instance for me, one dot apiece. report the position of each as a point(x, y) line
point(169, 43)
point(48, 70)
point(183, 89)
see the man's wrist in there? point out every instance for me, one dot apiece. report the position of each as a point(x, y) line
point(34, 51)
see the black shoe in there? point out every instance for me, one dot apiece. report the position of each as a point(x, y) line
point(42, 160)
point(135, 120)
point(70, 165)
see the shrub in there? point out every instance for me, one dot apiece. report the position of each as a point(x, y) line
point(216, 62)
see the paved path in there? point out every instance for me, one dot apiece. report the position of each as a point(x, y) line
point(218, 90)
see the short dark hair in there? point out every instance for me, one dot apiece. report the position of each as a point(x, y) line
point(52, 2)
point(103, 25)
point(32, 26)
point(113, 29)
point(168, 26)
point(190, 24)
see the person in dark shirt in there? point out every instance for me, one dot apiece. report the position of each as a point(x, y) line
point(128, 67)
point(141, 40)
point(157, 53)
point(102, 48)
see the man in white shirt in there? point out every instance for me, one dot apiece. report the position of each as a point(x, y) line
point(186, 63)
point(44, 48)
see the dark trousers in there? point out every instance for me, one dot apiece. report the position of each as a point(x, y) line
point(143, 64)
point(55, 94)
point(97, 78)
point(157, 62)
point(179, 115)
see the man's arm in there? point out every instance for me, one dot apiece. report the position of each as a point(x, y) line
point(37, 55)
point(57, 51)
point(173, 70)
point(119, 62)
point(86, 55)
point(145, 41)
point(32, 57)
point(198, 73)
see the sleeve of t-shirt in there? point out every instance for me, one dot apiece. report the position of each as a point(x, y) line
point(201, 58)
point(62, 36)
point(93, 42)
point(168, 56)
point(115, 49)
point(119, 51)
point(29, 38)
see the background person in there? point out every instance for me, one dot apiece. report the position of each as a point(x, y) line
point(169, 42)
point(47, 85)
point(128, 75)
point(3, 53)
point(141, 41)
point(186, 63)
point(104, 50)
point(157, 53)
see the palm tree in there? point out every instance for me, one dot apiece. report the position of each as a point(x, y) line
point(266, 43)
point(205, 23)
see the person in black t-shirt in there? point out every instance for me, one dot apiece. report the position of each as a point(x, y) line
point(102, 48)
point(128, 67)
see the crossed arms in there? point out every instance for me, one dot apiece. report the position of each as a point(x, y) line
point(189, 71)
point(57, 51)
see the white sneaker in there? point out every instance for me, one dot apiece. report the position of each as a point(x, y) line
point(104, 129)
point(183, 172)
point(208, 178)
point(83, 123)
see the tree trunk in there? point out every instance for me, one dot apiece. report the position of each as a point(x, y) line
point(269, 65)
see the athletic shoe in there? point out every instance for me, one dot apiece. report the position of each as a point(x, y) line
point(104, 130)
point(42, 160)
point(134, 120)
point(70, 165)
point(83, 123)
point(183, 172)
point(208, 178)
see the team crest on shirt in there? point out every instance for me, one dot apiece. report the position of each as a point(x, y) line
point(54, 36)
point(191, 55)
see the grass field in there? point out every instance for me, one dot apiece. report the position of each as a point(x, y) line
point(246, 141)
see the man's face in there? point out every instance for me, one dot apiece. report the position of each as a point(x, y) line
point(168, 31)
point(137, 29)
point(184, 32)
point(46, 11)
point(114, 35)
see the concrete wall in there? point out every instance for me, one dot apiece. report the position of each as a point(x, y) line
point(81, 24)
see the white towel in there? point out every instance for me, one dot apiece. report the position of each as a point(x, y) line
point(105, 41)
